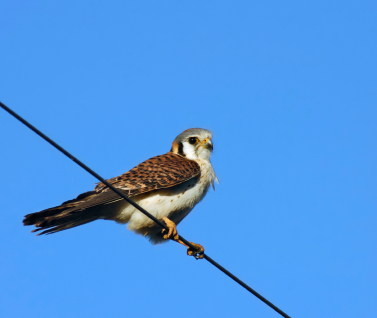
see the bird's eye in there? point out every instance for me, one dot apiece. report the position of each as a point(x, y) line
point(193, 140)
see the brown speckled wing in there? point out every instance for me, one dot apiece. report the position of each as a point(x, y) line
point(159, 172)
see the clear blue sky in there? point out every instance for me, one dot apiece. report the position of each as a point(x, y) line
point(288, 89)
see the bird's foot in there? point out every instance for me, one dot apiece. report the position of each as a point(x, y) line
point(198, 253)
point(172, 233)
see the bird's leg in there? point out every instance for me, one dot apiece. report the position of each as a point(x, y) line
point(173, 234)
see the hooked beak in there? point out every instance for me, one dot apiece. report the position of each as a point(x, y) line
point(207, 143)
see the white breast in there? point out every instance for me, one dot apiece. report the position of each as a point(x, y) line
point(175, 202)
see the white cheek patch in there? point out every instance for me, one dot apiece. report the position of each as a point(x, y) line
point(189, 151)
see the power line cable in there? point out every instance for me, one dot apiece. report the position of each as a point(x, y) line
point(123, 196)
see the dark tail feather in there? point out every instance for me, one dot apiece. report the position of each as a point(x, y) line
point(64, 225)
point(63, 217)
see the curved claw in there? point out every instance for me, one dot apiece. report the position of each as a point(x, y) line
point(198, 253)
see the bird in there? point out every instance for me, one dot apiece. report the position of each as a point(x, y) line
point(168, 186)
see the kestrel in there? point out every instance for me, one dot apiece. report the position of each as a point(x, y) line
point(167, 186)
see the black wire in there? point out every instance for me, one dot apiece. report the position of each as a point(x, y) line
point(123, 196)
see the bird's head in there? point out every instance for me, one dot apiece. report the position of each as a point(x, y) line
point(193, 144)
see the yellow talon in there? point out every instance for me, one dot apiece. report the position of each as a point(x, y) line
point(172, 229)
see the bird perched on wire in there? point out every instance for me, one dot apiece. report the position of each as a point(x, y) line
point(167, 186)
